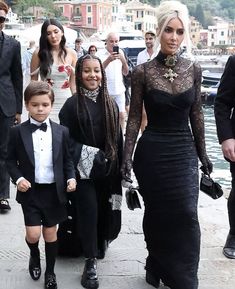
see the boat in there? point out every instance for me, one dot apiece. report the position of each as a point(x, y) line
point(210, 78)
point(13, 29)
point(132, 48)
point(208, 94)
point(210, 84)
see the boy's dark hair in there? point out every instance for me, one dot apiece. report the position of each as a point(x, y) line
point(4, 6)
point(38, 88)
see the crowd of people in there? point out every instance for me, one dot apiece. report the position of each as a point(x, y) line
point(75, 145)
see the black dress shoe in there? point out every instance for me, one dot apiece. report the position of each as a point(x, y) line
point(229, 247)
point(4, 205)
point(50, 281)
point(89, 276)
point(34, 267)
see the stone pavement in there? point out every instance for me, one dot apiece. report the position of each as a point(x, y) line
point(123, 266)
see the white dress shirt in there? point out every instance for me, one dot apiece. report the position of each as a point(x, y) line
point(113, 73)
point(143, 56)
point(42, 145)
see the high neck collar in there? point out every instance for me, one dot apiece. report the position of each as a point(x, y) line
point(167, 60)
point(91, 94)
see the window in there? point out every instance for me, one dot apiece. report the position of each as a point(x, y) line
point(88, 20)
point(89, 9)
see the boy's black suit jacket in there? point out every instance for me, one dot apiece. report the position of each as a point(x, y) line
point(20, 159)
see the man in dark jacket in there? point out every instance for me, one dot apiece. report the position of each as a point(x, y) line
point(11, 89)
point(225, 122)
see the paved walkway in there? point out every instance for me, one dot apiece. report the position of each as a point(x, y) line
point(123, 267)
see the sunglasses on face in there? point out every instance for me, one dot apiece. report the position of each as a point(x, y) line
point(2, 19)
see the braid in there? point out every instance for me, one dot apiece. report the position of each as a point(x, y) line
point(82, 107)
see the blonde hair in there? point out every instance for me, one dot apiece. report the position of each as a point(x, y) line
point(168, 10)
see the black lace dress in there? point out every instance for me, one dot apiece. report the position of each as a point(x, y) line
point(166, 166)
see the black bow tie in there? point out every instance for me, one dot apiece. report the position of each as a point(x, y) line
point(34, 127)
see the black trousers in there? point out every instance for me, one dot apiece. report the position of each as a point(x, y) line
point(231, 202)
point(5, 125)
point(90, 202)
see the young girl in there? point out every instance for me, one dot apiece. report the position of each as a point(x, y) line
point(93, 121)
point(39, 164)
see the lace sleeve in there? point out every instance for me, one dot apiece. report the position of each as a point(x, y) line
point(135, 113)
point(197, 120)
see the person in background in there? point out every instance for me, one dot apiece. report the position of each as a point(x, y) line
point(225, 122)
point(26, 62)
point(54, 62)
point(79, 49)
point(166, 156)
point(40, 165)
point(92, 50)
point(93, 121)
point(11, 94)
point(115, 65)
point(146, 55)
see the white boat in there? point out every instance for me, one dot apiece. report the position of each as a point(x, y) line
point(14, 29)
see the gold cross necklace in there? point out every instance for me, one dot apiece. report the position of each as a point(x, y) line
point(169, 61)
point(170, 75)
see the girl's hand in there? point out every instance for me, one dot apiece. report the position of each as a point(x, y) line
point(71, 186)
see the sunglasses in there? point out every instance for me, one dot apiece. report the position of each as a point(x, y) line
point(2, 19)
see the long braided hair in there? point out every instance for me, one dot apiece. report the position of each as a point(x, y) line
point(109, 110)
point(44, 53)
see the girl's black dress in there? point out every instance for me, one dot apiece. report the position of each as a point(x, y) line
point(166, 167)
point(97, 203)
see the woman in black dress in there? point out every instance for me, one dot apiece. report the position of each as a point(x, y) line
point(166, 157)
point(93, 122)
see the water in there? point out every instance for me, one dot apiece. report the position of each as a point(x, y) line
point(221, 171)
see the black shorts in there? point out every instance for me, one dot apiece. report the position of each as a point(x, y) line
point(45, 208)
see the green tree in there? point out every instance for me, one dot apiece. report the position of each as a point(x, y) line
point(22, 5)
point(199, 14)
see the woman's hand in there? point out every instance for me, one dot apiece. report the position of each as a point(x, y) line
point(126, 173)
point(207, 166)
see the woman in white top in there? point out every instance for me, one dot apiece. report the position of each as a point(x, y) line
point(55, 63)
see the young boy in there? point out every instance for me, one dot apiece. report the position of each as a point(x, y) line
point(39, 163)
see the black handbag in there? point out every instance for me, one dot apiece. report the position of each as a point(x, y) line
point(132, 198)
point(210, 187)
